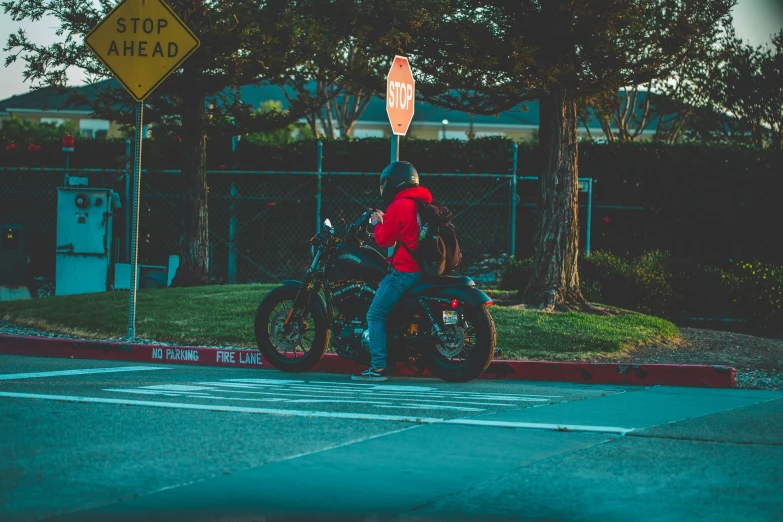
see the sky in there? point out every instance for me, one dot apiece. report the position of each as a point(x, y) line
point(754, 20)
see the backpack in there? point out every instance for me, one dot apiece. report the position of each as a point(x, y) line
point(438, 253)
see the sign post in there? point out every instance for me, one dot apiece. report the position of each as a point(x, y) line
point(400, 96)
point(68, 142)
point(141, 42)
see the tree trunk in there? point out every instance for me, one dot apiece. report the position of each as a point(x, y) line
point(194, 245)
point(554, 281)
point(756, 133)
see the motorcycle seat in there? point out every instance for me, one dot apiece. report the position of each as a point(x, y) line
point(429, 282)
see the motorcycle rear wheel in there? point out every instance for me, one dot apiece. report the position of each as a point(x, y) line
point(467, 359)
point(300, 345)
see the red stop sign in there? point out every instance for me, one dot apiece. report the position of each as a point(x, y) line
point(400, 95)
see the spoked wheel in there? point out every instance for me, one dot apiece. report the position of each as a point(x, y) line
point(298, 345)
point(469, 348)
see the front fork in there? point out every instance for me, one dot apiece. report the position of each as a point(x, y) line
point(302, 299)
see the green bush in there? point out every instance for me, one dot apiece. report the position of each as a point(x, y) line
point(22, 132)
point(606, 278)
point(516, 274)
point(757, 289)
point(678, 288)
point(639, 284)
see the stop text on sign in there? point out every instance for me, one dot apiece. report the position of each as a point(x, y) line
point(399, 95)
point(142, 48)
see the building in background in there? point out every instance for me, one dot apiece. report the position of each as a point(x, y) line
point(432, 122)
point(429, 122)
point(48, 105)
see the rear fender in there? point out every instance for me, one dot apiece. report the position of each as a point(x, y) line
point(469, 295)
point(410, 304)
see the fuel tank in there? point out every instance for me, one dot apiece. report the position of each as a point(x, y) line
point(352, 262)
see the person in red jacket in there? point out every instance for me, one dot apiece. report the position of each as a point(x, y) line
point(398, 226)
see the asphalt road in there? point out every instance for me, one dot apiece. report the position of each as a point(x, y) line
point(92, 440)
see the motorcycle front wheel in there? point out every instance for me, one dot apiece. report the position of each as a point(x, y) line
point(470, 348)
point(299, 345)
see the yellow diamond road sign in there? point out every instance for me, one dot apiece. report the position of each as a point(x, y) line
point(142, 42)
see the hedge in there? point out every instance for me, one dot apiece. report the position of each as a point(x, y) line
point(492, 155)
point(678, 289)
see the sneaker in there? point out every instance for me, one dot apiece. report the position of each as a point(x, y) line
point(370, 375)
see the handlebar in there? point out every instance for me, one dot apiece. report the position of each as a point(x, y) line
point(361, 220)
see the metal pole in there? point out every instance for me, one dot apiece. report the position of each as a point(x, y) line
point(65, 178)
point(513, 246)
point(395, 148)
point(134, 260)
point(589, 215)
point(128, 199)
point(232, 231)
point(318, 194)
point(395, 156)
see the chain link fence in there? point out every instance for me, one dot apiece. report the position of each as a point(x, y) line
point(260, 222)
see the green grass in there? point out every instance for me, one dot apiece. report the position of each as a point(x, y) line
point(223, 315)
point(575, 336)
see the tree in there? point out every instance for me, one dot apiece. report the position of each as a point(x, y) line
point(670, 100)
point(740, 87)
point(345, 100)
point(772, 72)
point(684, 101)
point(242, 42)
point(353, 70)
point(749, 88)
point(282, 136)
point(628, 112)
point(486, 57)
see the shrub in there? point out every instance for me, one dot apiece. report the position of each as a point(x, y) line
point(651, 283)
point(677, 288)
point(700, 290)
point(641, 284)
point(516, 274)
point(606, 278)
point(757, 289)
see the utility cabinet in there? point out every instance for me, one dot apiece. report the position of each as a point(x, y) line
point(84, 239)
point(13, 255)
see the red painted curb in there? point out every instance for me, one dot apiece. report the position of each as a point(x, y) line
point(641, 374)
point(591, 373)
point(115, 351)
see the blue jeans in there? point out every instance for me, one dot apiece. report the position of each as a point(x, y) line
point(389, 293)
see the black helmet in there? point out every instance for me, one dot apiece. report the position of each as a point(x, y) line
point(397, 176)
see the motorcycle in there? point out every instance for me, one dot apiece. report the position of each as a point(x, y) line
point(441, 323)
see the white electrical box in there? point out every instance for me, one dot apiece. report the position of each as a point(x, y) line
point(84, 238)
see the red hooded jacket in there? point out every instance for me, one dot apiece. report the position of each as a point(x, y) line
point(400, 224)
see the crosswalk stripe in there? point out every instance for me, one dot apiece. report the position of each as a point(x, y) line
point(321, 414)
point(85, 371)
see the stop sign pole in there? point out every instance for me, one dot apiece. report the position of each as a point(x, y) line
point(400, 96)
point(395, 148)
point(141, 42)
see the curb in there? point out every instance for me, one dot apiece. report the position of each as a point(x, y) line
point(588, 373)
